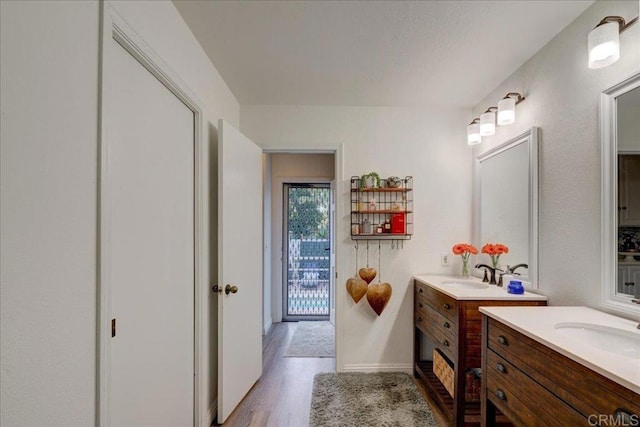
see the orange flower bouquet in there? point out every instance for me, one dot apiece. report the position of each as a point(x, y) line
point(464, 250)
point(494, 250)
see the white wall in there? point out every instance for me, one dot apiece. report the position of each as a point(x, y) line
point(266, 244)
point(289, 167)
point(563, 99)
point(49, 126)
point(430, 145)
point(48, 134)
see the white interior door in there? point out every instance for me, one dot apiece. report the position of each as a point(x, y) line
point(240, 264)
point(150, 223)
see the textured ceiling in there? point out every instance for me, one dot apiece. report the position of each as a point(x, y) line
point(378, 53)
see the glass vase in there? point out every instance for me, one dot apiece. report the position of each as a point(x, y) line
point(465, 268)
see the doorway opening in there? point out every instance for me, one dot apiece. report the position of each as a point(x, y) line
point(306, 251)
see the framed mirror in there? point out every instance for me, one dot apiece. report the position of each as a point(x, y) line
point(506, 203)
point(620, 137)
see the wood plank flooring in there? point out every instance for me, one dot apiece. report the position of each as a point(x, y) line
point(282, 396)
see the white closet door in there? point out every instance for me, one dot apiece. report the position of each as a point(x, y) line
point(150, 173)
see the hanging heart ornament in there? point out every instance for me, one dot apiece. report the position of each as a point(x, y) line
point(357, 288)
point(367, 274)
point(378, 296)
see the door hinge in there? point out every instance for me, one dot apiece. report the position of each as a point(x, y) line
point(113, 328)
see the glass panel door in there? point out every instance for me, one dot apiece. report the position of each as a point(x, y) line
point(307, 251)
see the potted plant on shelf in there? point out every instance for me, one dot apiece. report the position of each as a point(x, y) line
point(370, 180)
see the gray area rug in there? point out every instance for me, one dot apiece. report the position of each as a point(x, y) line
point(312, 339)
point(360, 399)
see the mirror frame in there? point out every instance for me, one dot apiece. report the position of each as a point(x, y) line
point(609, 192)
point(530, 137)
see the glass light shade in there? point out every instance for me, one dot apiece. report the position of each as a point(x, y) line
point(604, 45)
point(473, 134)
point(488, 124)
point(506, 111)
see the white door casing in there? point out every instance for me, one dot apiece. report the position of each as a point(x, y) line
point(240, 264)
point(128, 213)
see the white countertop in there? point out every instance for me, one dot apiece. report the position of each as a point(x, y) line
point(492, 292)
point(538, 323)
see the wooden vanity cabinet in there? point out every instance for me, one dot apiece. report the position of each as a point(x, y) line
point(533, 385)
point(454, 326)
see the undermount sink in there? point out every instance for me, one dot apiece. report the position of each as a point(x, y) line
point(464, 284)
point(613, 340)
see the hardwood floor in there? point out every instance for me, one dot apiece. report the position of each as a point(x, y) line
point(282, 396)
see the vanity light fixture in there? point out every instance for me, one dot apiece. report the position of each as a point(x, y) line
point(507, 108)
point(473, 132)
point(604, 40)
point(488, 122)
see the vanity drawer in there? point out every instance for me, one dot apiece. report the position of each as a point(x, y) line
point(436, 320)
point(444, 341)
point(442, 303)
point(523, 400)
point(583, 389)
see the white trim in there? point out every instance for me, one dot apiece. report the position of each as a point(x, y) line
point(530, 137)
point(212, 412)
point(609, 228)
point(116, 28)
point(266, 327)
point(379, 367)
point(341, 200)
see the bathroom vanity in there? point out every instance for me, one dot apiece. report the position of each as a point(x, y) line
point(565, 366)
point(446, 312)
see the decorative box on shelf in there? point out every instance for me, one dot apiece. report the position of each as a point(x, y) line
point(383, 213)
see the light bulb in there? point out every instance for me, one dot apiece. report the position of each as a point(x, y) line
point(604, 45)
point(506, 111)
point(488, 124)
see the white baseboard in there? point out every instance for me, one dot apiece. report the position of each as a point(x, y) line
point(376, 367)
point(266, 327)
point(212, 412)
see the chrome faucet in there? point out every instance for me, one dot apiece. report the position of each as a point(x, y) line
point(492, 281)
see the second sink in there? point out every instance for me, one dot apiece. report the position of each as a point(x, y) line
point(613, 340)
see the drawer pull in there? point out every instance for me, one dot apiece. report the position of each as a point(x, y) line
point(500, 395)
point(625, 418)
point(445, 343)
point(629, 283)
point(419, 319)
point(446, 306)
point(419, 291)
point(420, 305)
point(502, 340)
point(446, 325)
point(500, 368)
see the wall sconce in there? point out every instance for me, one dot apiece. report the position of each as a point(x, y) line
point(604, 40)
point(488, 122)
point(473, 132)
point(507, 108)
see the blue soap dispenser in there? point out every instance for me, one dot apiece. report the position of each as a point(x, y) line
point(515, 287)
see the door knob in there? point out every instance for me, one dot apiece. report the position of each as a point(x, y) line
point(230, 289)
